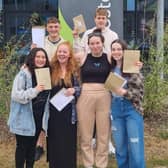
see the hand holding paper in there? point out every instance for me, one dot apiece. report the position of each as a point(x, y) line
point(43, 77)
point(38, 36)
point(114, 81)
point(120, 91)
point(131, 57)
point(60, 100)
point(79, 24)
point(40, 88)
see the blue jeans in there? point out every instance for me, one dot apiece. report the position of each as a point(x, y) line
point(128, 134)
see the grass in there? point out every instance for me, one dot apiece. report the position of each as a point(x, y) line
point(155, 158)
point(163, 135)
point(7, 157)
point(157, 163)
point(156, 149)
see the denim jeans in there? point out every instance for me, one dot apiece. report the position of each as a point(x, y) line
point(128, 134)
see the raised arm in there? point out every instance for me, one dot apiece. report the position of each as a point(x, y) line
point(80, 52)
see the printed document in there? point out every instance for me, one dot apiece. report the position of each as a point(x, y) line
point(43, 77)
point(79, 24)
point(130, 59)
point(60, 100)
point(38, 35)
point(114, 81)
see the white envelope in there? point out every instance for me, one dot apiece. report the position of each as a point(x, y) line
point(60, 100)
point(38, 35)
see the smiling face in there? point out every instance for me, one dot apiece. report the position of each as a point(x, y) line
point(100, 21)
point(40, 59)
point(96, 45)
point(63, 54)
point(53, 30)
point(117, 51)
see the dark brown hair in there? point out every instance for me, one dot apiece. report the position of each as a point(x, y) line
point(30, 60)
point(97, 33)
point(113, 61)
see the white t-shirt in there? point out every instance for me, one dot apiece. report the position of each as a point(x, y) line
point(51, 47)
point(109, 37)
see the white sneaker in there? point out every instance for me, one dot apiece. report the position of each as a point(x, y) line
point(111, 148)
point(94, 143)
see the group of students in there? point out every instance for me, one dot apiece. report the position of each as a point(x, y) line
point(83, 74)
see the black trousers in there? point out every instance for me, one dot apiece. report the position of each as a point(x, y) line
point(25, 151)
point(26, 145)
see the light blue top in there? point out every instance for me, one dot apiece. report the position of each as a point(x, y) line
point(21, 119)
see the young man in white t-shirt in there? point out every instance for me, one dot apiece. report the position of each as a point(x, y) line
point(101, 18)
point(53, 38)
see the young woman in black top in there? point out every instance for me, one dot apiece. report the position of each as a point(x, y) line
point(94, 102)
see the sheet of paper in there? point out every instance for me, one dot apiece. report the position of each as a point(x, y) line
point(59, 101)
point(130, 59)
point(114, 81)
point(38, 35)
point(43, 77)
point(79, 23)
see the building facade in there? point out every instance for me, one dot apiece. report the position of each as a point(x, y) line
point(138, 16)
point(15, 14)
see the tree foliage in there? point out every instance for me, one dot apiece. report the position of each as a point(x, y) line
point(12, 55)
point(156, 79)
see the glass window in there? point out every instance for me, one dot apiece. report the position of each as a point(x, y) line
point(148, 5)
point(18, 12)
point(138, 21)
point(27, 5)
point(131, 5)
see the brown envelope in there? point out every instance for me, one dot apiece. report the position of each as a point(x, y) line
point(130, 59)
point(79, 24)
point(43, 77)
point(114, 81)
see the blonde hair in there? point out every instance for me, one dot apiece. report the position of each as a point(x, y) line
point(101, 11)
point(72, 67)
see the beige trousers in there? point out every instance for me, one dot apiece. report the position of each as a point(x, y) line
point(94, 106)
